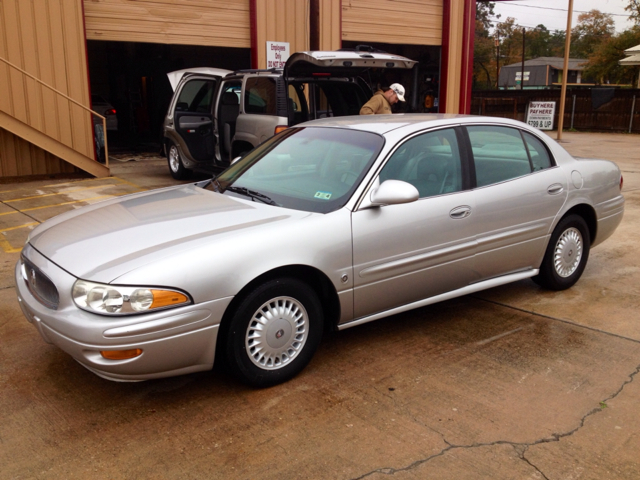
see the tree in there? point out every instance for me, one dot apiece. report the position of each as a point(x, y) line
point(593, 28)
point(634, 10)
point(538, 42)
point(603, 63)
point(483, 52)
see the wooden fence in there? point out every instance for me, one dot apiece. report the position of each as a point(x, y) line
point(584, 109)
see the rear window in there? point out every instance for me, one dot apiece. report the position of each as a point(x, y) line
point(260, 96)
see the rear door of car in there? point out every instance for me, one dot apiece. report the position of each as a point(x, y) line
point(333, 79)
point(519, 191)
point(408, 252)
point(189, 122)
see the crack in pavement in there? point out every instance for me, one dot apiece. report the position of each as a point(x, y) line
point(555, 437)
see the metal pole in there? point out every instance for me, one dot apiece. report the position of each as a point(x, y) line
point(565, 70)
point(522, 68)
point(573, 111)
point(633, 108)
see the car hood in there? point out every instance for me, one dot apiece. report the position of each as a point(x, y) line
point(102, 242)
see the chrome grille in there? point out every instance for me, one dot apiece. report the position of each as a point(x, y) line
point(39, 285)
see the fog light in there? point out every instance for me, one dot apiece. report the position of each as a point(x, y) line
point(121, 354)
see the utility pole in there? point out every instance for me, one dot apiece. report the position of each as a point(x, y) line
point(565, 71)
point(522, 68)
point(497, 44)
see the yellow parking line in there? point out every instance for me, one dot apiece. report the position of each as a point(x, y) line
point(20, 226)
point(53, 194)
point(6, 246)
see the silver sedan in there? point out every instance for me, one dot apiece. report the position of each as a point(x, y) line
point(328, 225)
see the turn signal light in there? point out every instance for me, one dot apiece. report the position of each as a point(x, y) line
point(280, 128)
point(121, 354)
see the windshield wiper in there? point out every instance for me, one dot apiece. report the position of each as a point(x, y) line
point(252, 194)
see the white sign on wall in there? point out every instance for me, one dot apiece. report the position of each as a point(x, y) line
point(540, 115)
point(277, 54)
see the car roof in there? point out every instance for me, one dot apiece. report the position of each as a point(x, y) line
point(382, 124)
point(175, 77)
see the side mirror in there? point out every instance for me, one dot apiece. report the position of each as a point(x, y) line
point(394, 192)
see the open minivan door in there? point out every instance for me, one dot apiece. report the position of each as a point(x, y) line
point(189, 140)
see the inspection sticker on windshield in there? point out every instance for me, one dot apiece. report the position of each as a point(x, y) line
point(323, 195)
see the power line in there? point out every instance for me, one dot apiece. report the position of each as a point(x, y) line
point(564, 9)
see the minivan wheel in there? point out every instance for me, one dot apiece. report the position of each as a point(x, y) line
point(274, 332)
point(566, 255)
point(176, 167)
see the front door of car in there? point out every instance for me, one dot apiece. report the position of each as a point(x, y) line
point(519, 193)
point(193, 119)
point(408, 252)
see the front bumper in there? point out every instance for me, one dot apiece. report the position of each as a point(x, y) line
point(173, 342)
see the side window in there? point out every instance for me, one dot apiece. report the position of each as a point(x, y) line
point(430, 162)
point(499, 154)
point(540, 158)
point(196, 96)
point(260, 95)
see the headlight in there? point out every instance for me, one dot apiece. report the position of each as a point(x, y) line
point(119, 300)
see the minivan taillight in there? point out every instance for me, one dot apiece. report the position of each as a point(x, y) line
point(111, 111)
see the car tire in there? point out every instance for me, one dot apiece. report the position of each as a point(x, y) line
point(566, 255)
point(176, 166)
point(274, 332)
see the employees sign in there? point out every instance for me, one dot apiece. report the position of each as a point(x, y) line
point(540, 115)
point(277, 54)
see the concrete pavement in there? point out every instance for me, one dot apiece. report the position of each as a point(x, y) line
point(511, 383)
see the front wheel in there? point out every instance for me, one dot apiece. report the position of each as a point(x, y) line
point(566, 255)
point(176, 167)
point(274, 332)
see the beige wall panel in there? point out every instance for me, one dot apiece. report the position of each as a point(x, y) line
point(330, 33)
point(20, 158)
point(46, 39)
point(223, 23)
point(414, 22)
point(455, 56)
point(281, 21)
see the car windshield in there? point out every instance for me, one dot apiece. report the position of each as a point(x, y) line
point(314, 169)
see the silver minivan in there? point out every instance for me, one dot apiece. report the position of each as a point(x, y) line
point(216, 115)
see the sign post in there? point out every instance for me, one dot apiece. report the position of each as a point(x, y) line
point(540, 115)
point(277, 54)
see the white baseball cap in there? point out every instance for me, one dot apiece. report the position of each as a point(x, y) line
point(399, 89)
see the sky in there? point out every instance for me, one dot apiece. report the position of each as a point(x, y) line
point(553, 13)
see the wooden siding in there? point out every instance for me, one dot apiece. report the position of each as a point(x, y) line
point(281, 21)
point(46, 39)
point(330, 24)
point(222, 23)
point(413, 22)
point(20, 158)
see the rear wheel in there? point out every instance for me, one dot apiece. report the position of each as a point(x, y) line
point(176, 167)
point(566, 255)
point(274, 332)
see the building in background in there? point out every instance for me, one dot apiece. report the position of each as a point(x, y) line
point(542, 72)
point(56, 53)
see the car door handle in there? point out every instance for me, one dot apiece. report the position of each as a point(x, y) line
point(555, 189)
point(462, 211)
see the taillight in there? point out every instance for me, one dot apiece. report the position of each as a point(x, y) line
point(280, 128)
point(111, 111)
